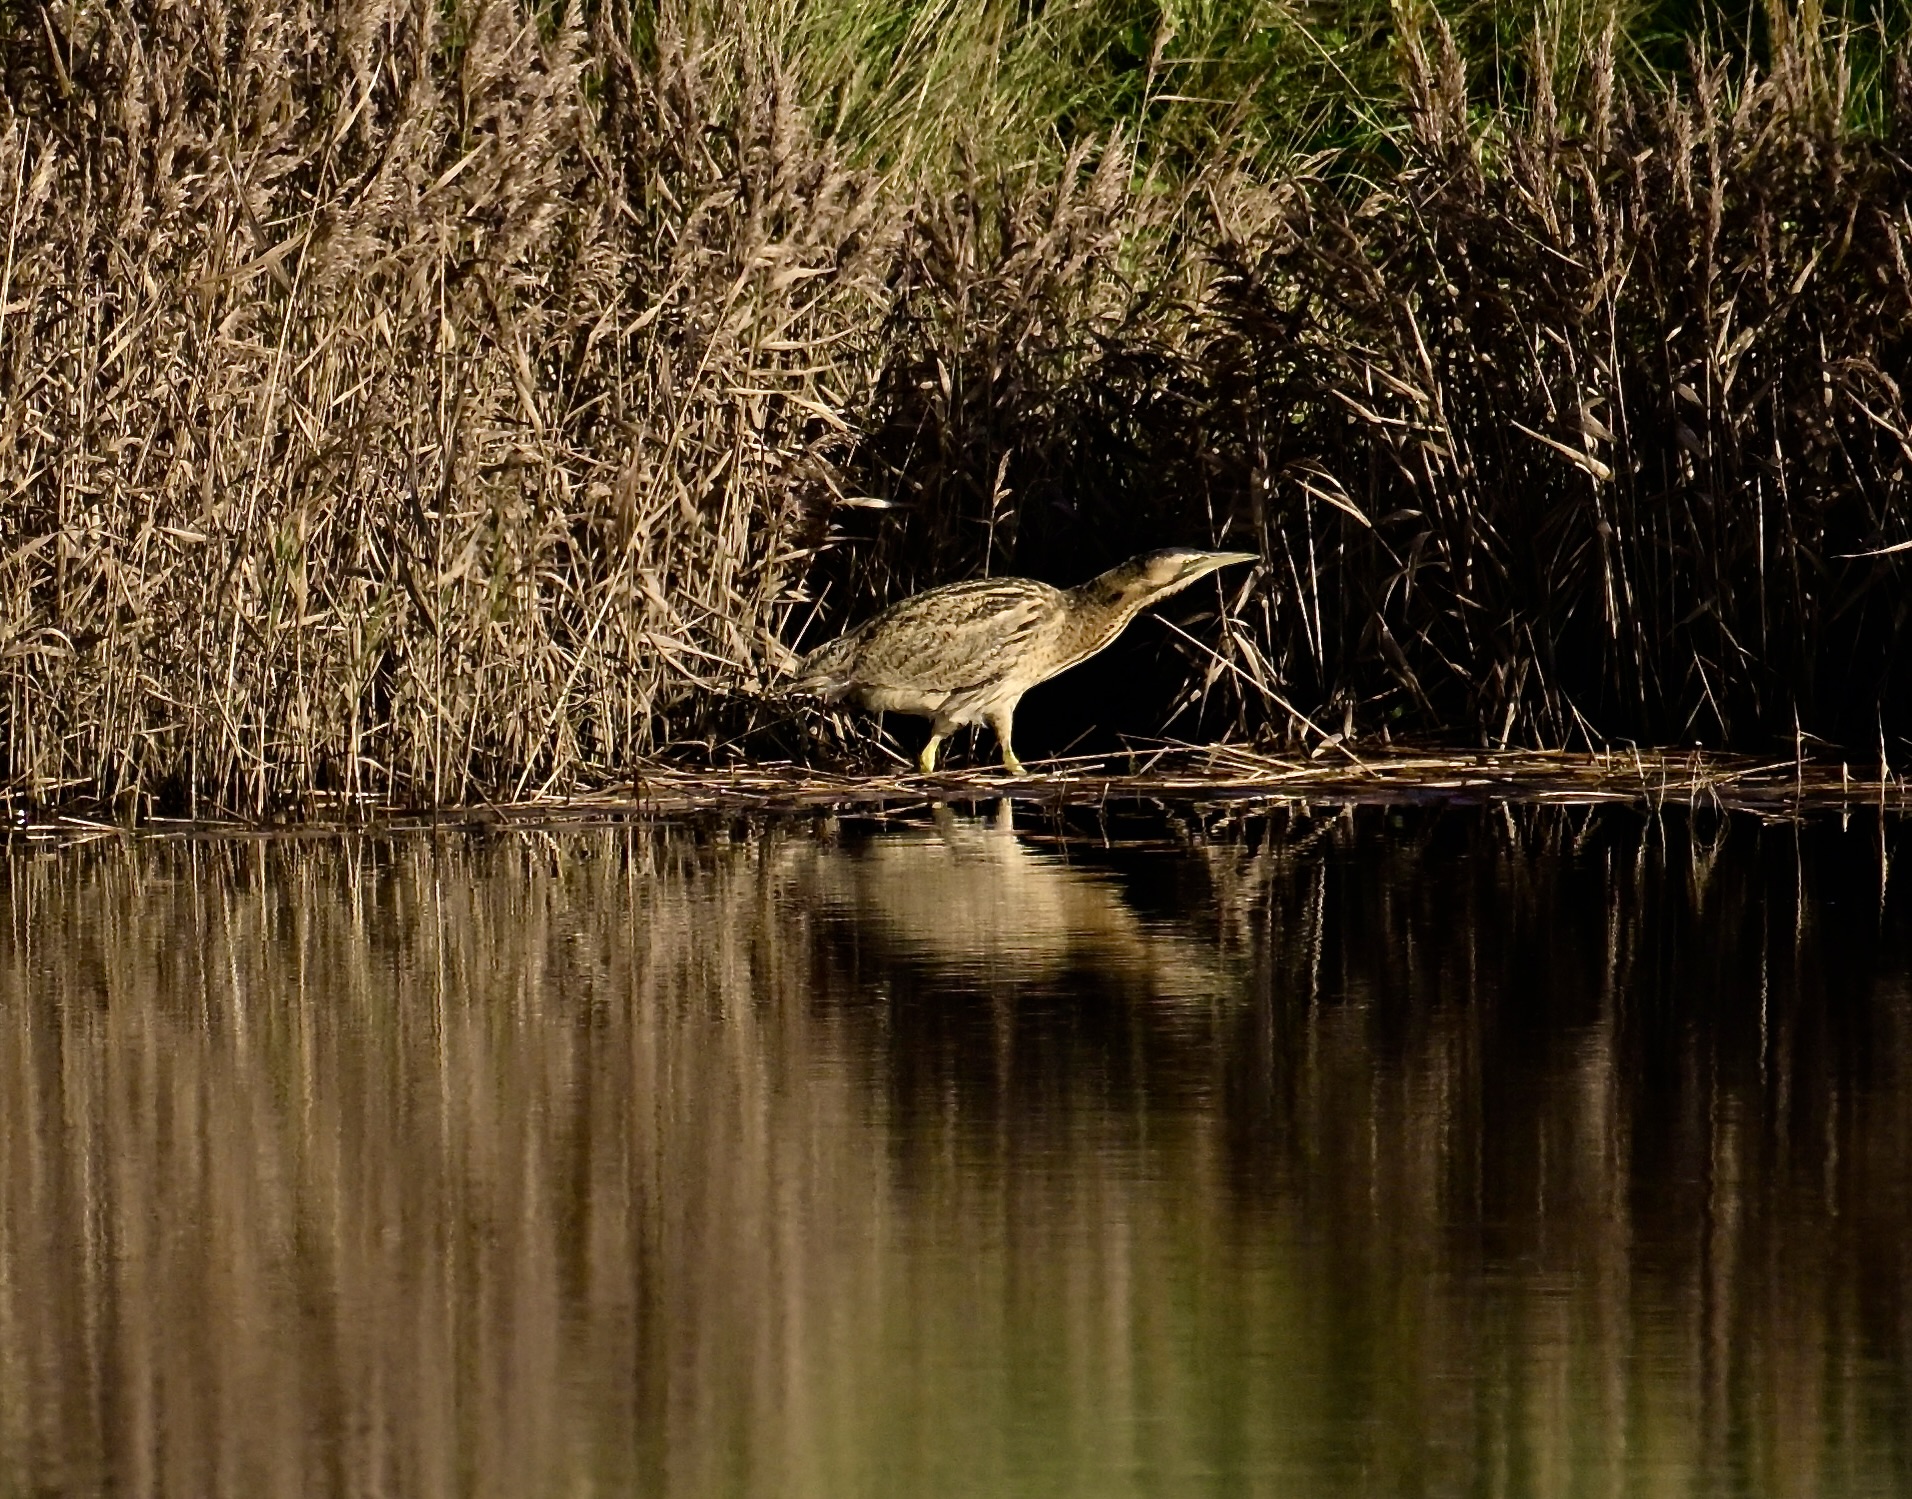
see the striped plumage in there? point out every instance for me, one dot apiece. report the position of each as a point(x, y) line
point(967, 652)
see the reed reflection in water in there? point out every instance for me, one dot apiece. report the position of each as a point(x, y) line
point(1468, 1151)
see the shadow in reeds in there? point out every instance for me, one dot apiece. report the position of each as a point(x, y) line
point(1363, 1152)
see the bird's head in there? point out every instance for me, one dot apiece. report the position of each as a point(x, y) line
point(826, 671)
point(1155, 575)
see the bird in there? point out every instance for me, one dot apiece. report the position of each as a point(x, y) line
point(965, 653)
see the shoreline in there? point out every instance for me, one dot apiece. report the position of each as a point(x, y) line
point(1229, 776)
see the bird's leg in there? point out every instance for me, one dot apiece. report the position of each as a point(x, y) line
point(926, 762)
point(1004, 723)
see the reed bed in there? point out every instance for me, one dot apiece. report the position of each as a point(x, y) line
point(406, 402)
point(1607, 426)
point(413, 405)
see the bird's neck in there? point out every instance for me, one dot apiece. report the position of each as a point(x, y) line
point(1098, 611)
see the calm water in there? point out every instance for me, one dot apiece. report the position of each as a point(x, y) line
point(1465, 1152)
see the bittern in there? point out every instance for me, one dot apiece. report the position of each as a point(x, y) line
point(967, 652)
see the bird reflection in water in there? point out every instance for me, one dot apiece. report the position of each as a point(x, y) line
point(968, 897)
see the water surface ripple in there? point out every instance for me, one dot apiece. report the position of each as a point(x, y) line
point(1483, 1151)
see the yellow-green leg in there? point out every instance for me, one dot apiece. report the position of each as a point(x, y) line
point(1004, 724)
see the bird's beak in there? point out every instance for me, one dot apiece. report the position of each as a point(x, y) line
point(1208, 562)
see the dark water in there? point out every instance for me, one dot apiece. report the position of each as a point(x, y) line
point(1466, 1152)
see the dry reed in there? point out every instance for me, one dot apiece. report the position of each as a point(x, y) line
point(404, 402)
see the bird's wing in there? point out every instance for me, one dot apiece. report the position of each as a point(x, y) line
point(957, 638)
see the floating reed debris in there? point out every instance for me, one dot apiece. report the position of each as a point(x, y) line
point(417, 404)
point(1234, 773)
point(1171, 776)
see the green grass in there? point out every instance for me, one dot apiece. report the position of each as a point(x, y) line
point(929, 90)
